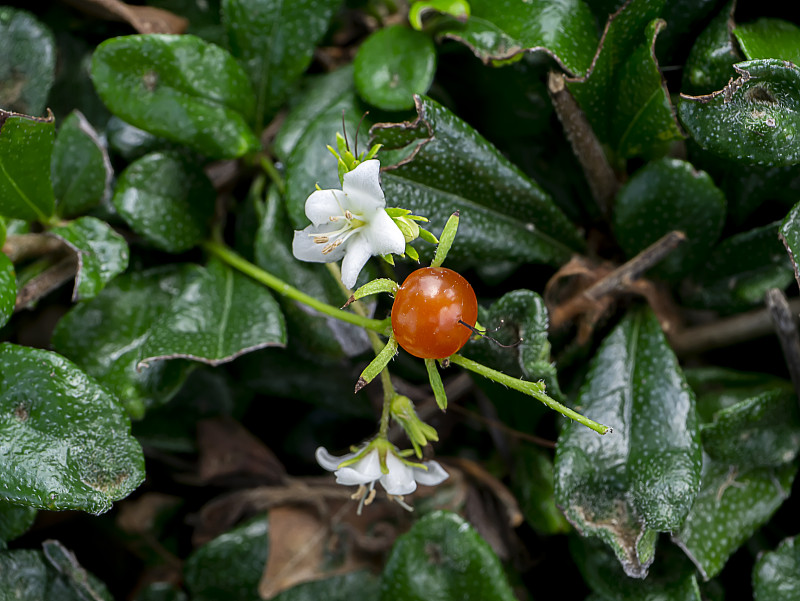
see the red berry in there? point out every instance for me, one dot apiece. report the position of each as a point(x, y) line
point(427, 309)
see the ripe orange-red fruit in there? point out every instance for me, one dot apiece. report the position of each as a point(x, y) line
point(427, 309)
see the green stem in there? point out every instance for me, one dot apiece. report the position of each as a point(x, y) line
point(226, 255)
point(273, 174)
point(534, 389)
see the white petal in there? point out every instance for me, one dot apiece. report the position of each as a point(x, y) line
point(328, 461)
point(363, 187)
point(383, 235)
point(400, 479)
point(347, 476)
point(324, 203)
point(305, 249)
point(358, 252)
point(434, 475)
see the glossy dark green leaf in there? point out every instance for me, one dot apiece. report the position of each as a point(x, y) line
point(29, 62)
point(754, 119)
point(532, 483)
point(180, 88)
point(504, 215)
point(353, 585)
point(229, 567)
point(392, 65)
point(15, 520)
point(769, 38)
point(104, 336)
point(709, 64)
point(738, 272)
point(790, 236)
point(667, 195)
point(30, 575)
point(672, 578)
point(498, 30)
point(763, 430)
point(102, 254)
point(322, 336)
point(624, 96)
point(776, 575)
point(628, 485)
point(274, 41)
point(8, 289)
point(81, 170)
point(167, 199)
point(731, 506)
point(442, 558)
point(220, 315)
point(65, 441)
point(26, 144)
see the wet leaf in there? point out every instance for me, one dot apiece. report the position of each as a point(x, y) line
point(15, 520)
point(353, 585)
point(167, 199)
point(739, 271)
point(274, 42)
point(504, 215)
point(180, 88)
point(104, 336)
point(533, 486)
point(775, 575)
point(624, 96)
point(790, 236)
point(754, 119)
point(729, 508)
point(392, 65)
point(709, 64)
point(80, 169)
point(769, 38)
point(229, 567)
point(442, 558)
point(29, 62)
point(102, 254)
point(8, 289)
point(64, 439)
point(667, 195)
point(641, 479)
point(220, 315)
point(498, 30)
point(26, 144)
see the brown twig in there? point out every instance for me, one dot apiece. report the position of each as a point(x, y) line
point(602, 180)
point(47, 281)
point(19, 247)
point(785, 324)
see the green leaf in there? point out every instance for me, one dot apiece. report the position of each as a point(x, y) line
point(65, 441)
point(229, 567)
point(26, 144)
point(708, 66)
point(642, 479)
point(353, 585)
point(532, 483)
point(761, 431)
point(667, 195)
point(274, 42)
point(775, 575)
point(29, 62)
point(624, 95)
point(105, 335)
point(178, 87)
point(81, 171)
point(220, 315)
point(498, 30)
point(442, 558)
point(504, 215)
point(730, 507)
point(32, 575)
point(738, 272)
point(392, 65)
point(790, 236)
point(769, 38)
point(458, 9)
point(167, 199)
point(161, 591)
point(15, 520)
point(102, 254)
point(8, 289)
point(754, 119)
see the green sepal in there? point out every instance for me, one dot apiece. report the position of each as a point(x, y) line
point(427, 236)
point(389, 259)
point(436, 384)
point(412, 253)
point(446, 240)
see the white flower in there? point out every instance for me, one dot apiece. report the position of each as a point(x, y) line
point(401, 477)
point(350, 223)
